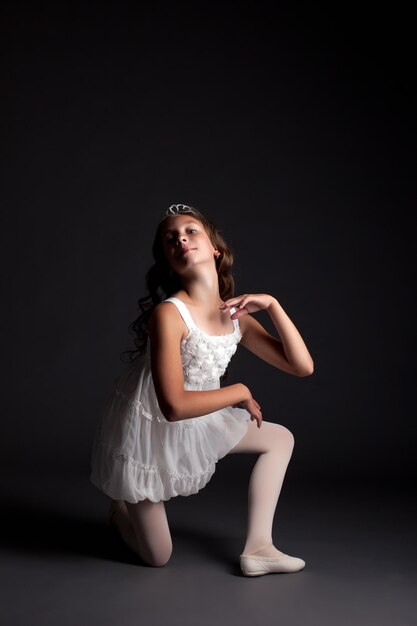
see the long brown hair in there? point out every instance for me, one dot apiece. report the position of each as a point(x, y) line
point(161, 282)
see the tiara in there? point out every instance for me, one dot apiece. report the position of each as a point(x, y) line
point(175, 209)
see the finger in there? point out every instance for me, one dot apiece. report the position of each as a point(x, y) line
point(229, 303)
point(227, 307)
point(233, 301)
point(245, 300)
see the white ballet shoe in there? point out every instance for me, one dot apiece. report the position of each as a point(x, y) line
point(252, 565)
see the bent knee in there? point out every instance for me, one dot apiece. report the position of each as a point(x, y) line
point(284, 437)
point(159, 560)
point(159, 553)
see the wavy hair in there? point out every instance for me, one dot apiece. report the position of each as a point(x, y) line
point(161, 282)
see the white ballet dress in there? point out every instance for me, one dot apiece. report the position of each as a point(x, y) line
point(137, 453)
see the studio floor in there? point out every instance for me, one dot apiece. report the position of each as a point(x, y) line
point(61, 564)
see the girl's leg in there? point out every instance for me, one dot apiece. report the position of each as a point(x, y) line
point(145, 530)
point(275, 444)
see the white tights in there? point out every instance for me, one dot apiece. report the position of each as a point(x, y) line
point(144, 525)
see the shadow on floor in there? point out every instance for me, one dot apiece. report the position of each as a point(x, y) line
point(39, 531)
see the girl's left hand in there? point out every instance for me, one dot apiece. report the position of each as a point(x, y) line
point(248, 303)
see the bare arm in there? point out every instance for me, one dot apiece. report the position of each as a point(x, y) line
point(295, 350)
point(288, 353)
point(165, 333)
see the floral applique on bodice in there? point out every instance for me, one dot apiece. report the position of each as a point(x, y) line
point(205, 357)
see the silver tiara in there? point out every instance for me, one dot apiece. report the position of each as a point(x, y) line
point(178, 209)
point(174, 209)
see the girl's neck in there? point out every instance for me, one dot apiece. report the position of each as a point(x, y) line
point(205, 296)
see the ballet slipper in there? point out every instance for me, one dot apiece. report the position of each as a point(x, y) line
point(252, 565)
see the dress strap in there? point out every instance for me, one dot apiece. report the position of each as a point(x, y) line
point(236, 321)
point(182, 308)
point(186, 315)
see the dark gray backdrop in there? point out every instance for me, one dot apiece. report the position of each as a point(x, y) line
point(294, 133)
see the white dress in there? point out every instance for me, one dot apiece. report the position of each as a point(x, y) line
point(137, 453)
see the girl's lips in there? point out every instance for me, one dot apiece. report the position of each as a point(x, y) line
point(185, 251)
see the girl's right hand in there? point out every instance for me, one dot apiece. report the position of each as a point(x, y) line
point(254, 409)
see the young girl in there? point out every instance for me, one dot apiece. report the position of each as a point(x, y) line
point(168, 421)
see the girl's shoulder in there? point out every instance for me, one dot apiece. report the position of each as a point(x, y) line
point(162, 314)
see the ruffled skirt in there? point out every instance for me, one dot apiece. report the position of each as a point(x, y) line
point(138, 454)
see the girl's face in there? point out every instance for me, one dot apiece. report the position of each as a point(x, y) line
point(185, 242)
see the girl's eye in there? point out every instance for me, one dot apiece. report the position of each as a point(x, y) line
point(169, 239)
